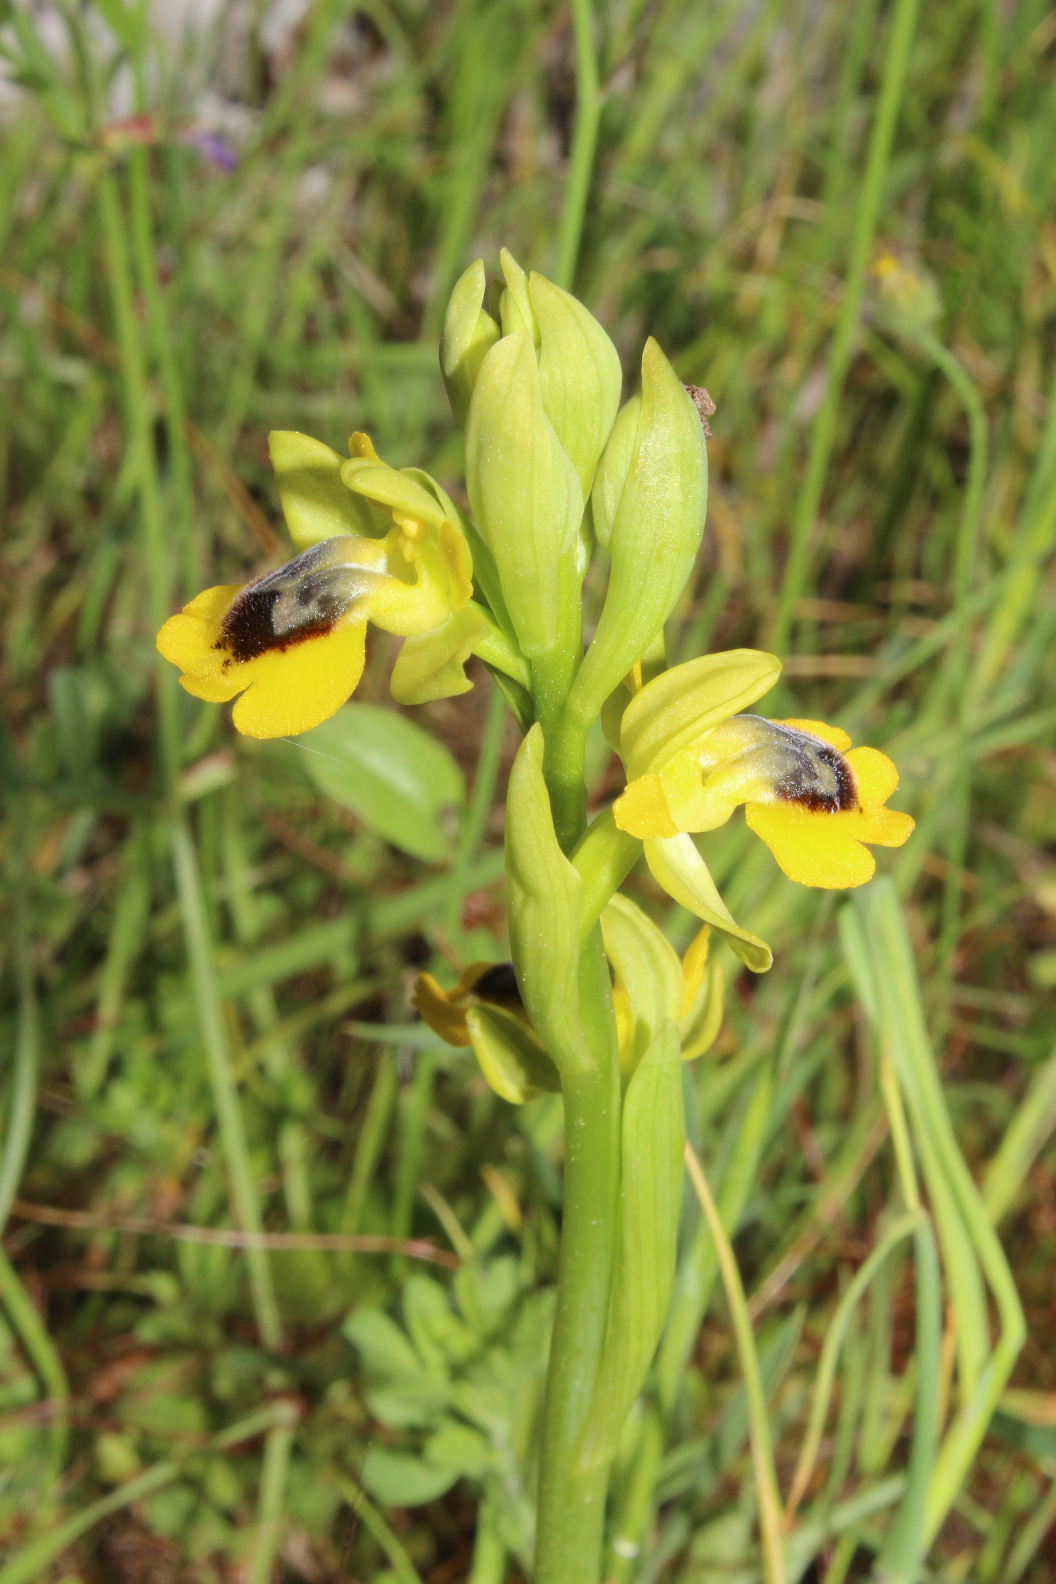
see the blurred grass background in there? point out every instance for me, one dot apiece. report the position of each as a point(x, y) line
point(219, 220)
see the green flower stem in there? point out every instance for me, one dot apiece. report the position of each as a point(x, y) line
point(496, 650)
point(572, 1503)
point(564, 735)
point(604, 858)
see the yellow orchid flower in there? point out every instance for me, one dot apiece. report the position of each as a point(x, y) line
point(446, 1011)
point(653, 985)
point(484, 1009)
point(812, 798)
point(292, 643)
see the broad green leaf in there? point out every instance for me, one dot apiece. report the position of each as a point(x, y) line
point(393, 774)
point(383, 1345)
point(400, 1480)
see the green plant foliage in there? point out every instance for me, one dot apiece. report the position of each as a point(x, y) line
point(205, 960)
point(465, 1384)
point(398, 779)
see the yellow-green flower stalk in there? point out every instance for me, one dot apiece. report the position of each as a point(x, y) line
point(595, 1002)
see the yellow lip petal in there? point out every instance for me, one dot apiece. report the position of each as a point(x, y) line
point(189, 638)
point(874, 774)
point(291, 690)
point(813, 849)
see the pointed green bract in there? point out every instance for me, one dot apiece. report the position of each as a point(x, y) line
point(579, 375)
point(468, 333)
point(515, 308)
point(525, 495)
point(614, 470)
point(654, 530)
point(545, 893)
point(647, 966)
point(653, 1140)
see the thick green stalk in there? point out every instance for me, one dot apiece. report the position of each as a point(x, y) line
point(572, 1504)
point(564, 735)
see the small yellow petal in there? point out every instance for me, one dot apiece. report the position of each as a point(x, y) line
point(694, 967)
point(440, 1011)
point(642, 809)
point(291, 690)
point(874, 774)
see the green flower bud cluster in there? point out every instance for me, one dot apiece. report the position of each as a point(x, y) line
point(554, 464)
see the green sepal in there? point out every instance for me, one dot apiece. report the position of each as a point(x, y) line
point(545, 904)
point(515, 308)
point(678, 867)
point(524, 492)
point(613, 470)
point(316, 502)
point(648, 967)
point(510, 1057)
point(652, 1145)
point(673, 711)
point(431, 665)
point(468, 333)
point(654, 532)
point(579, 374)
point(397, 489)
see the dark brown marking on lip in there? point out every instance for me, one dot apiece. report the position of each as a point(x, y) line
point(248, 630)
point(499, 984)
point(805, 786)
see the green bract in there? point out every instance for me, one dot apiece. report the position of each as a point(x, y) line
point(525, 494)
point(468, 333)
point(653, 1139)
point(650, 500)
point(545, 892)
point(579, 375)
